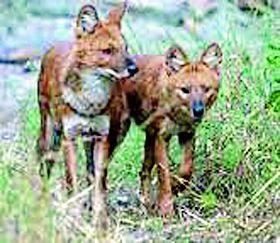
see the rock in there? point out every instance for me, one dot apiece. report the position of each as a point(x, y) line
point(18, 56)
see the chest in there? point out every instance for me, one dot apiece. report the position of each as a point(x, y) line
point(87, 92)
point(174, 122)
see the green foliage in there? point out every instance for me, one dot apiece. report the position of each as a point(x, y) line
point(272, 65)
point(127, 159)
point(31, 122)
point(24, 214)
point(208, 201)
point(232, 155)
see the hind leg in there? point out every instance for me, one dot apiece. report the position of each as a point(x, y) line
point(119, 126)
point(44, 145)
point(145, 174)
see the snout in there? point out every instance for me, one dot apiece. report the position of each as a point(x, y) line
point(198, 110)
point(126, 70)
point(131, 67)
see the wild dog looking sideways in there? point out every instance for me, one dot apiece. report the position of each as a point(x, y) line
point(168, 96)
point(74, 88)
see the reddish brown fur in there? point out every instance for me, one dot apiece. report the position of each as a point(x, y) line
point(154, 97)
point(98, 44)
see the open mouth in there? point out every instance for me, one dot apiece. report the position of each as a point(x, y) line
point(110, 73)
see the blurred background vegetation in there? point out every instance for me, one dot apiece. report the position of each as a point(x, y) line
point(234, 194)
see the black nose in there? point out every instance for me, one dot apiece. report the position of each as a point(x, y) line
point(198, 109)
point(131, 67)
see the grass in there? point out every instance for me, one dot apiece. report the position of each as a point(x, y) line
point(235, 191)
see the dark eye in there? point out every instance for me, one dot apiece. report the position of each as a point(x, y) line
point(205, 88)
point(185, 90)
point(108, 51)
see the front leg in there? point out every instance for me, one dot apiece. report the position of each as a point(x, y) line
point(145, 174)
point(101, 152)
point(165, 202)
point(71, 163)
point(88, 148)
point(180, 183)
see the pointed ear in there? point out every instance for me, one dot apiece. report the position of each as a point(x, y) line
point(115, 15)
point(87, 20)
point(212, 57)
point(176, 58)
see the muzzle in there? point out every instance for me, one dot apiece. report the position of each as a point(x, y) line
point(198, 110)
point(131, 67)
